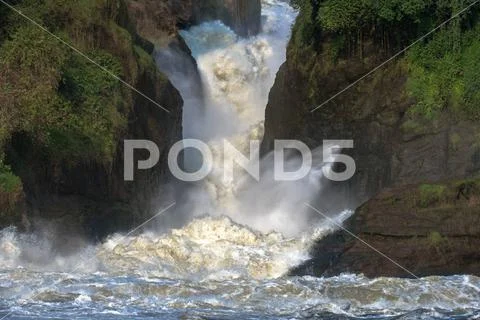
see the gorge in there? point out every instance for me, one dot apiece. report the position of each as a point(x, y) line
point(239, 70)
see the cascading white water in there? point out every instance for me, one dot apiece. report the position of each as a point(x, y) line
point(230, 260)
point(239, 235)
point(237, 75)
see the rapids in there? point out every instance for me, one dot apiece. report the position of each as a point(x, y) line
point(232, 256)
point(212, 268)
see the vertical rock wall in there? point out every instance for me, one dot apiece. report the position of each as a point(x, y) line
point(245, 16)
point(159, 20)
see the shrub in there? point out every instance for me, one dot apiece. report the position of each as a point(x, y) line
point(9, 183)
point(67, 105)
point(444, 74)
point(435, 238)
point(91, 97)
point(431, 193)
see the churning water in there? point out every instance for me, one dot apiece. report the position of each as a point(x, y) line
point(210, 269)
point(231, 259)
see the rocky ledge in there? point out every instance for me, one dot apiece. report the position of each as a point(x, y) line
point(427, 229)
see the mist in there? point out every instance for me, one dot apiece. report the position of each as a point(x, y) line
point(236, 76)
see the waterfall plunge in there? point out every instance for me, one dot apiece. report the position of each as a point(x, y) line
point(237, 75)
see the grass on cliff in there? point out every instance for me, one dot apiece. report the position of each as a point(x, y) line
point(11, 189)
point(435, 239)
point(8, 181)
point(431, 193)
point(447, 194)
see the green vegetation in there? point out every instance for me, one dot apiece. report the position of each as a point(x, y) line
point(448, 194)
point(145, 62)
point(54, 102)
point(413, 127)
point(11, 189)
point(391, 22)
point(4, 12)
point(435, 238)
point(8, 181)
point(467, 189)
point(71, 109)
point(306, 29)
point(62, 100)
point(348, 16)
point(444, 74)
point(444, 69)
point(455, 139)
point(92, 100)
point(431, 193)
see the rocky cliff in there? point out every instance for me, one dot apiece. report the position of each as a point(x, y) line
point(157, 19)
point(427, 229)
point(66, 184)
point(243, 16)
point(395, 147)
point(64, 121)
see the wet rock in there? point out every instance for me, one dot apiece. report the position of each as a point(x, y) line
point(392, 149)
point(160, 20)
point(428, 229)
point(90, 198)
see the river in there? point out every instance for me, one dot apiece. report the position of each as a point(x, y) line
point(231, 258)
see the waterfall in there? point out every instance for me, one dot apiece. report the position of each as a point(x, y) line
point(230, 258)
point(237, 74)
point(253, 229)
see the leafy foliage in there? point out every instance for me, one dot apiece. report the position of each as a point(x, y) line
point(444, 74)
point(67, 105)
point(402, 20)
point(91, 97)
point(11, 191)
point(431, 193)
point(9, 182)
point(30, 64)
point(444, 70)
point(306, 28)
point(65, 102)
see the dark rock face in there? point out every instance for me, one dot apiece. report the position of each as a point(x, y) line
point(157, 19)
point(243, 16)
point(390, 147)
point(425, 232)
point(393, 149)
point(91, 199)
